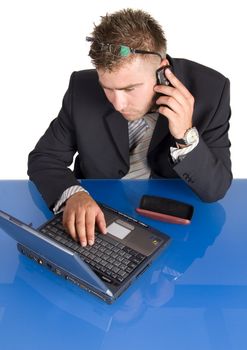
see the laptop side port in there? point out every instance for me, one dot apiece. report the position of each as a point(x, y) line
point(58, 272)
point(49, 266)
point(73, 280)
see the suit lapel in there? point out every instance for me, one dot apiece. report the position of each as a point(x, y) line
point(160, 132)
point(118, 128)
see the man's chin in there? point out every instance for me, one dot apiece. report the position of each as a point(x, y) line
point(132, 116)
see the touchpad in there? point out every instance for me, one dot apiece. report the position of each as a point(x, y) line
point(119, 229)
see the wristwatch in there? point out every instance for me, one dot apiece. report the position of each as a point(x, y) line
point(191, 135)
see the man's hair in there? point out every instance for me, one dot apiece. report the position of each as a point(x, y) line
point(135, 29)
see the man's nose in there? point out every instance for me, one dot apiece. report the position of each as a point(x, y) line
point(119, 101)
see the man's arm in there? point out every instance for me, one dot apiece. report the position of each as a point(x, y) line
point(207, 168)
point(48, 168)
point(49, 161)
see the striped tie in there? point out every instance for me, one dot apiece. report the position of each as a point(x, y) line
point(137, 129)
point(138, 165)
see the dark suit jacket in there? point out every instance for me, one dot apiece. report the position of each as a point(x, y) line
point(88, 124)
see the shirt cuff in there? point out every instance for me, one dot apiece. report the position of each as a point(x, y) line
point(66, 195)
point(179, 154)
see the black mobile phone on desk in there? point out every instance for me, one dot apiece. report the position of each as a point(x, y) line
point(165, 209)
point(161, 77)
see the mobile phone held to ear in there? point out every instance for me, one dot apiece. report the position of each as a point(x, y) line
point(160, 75)
point(165, 209)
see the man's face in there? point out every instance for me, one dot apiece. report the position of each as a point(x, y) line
point(130, 88)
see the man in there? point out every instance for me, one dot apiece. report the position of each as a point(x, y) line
point(124, 125)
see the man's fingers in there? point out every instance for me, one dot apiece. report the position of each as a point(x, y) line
point(75, 225)
point(169, 113)
point(177, 89)
point(80, 215)
point(100, 220)
point(171, 94)
point(90, 226)
point(171, 102)
point(69, 224)
point(81, 229)
point(177, 83)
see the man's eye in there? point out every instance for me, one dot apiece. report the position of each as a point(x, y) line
point(130, 89)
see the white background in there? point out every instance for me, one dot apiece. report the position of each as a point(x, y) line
point(43, 42)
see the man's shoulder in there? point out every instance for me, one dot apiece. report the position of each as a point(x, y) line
point(199, 79)
point(85, 82)
point(192, 69)
point(85, 76)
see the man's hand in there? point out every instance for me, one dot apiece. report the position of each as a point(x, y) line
point(80, 215)
point(177, 104)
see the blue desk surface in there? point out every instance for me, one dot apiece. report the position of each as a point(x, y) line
point(194, 296)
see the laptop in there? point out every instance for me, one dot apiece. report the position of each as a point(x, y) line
point(105, 269)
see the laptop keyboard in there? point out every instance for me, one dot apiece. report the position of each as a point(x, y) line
point(111, 260)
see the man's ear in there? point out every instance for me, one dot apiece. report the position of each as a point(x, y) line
point(164, 62)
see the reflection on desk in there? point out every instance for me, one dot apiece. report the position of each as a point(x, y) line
point(192, 297)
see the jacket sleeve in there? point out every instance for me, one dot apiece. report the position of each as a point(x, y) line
point(48, 163)
point(207, 169)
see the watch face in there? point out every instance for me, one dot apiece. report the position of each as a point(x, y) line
point(191, 135)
